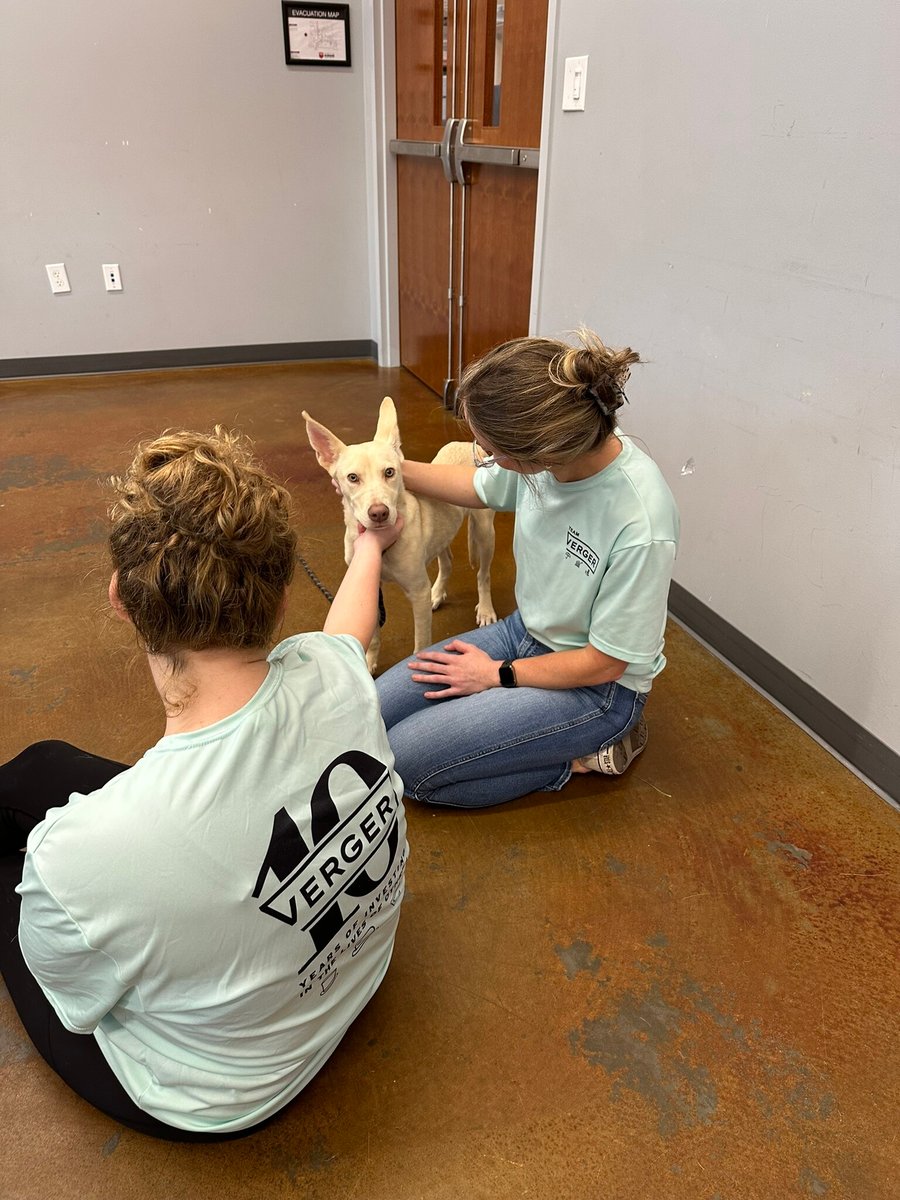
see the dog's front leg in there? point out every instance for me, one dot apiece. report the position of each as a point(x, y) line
point(350, 534)
point(372, 652)
point(419, 596)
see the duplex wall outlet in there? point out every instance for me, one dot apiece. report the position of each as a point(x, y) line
point(59, 280)
point(112, 277)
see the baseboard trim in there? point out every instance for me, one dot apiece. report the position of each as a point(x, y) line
point(872, 758)
point(197, 356)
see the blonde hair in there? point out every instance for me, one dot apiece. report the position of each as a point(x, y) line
point(201, 542)
point(539, 400)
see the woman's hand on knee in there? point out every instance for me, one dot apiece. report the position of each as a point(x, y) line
point(460, 668)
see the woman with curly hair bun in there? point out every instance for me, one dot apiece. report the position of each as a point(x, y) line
point(198, 930)
point(559, 686)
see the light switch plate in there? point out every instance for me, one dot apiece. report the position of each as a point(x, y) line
point(575, 84)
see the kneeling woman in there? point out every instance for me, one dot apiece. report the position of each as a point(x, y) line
point(560, 685)
point(199, 930)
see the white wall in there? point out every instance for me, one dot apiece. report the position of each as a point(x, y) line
point(727, 205)
point(172, 138)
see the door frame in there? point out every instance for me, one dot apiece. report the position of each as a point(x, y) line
point(380, 109)
point(379, 87)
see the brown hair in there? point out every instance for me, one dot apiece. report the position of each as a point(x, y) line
point(539, 400)
point(201, 542)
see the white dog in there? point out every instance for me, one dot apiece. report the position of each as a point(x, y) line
point(370, 479)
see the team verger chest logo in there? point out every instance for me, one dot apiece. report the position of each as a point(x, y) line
point(581, 551)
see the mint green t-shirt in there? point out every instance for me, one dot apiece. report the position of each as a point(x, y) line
point(593, 558)
point(219, 913)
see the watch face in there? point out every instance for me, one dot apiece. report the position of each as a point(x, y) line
point(507, 676)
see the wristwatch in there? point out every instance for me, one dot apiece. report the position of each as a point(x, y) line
point(508, 674)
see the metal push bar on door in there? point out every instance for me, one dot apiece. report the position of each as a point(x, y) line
point(453, 151)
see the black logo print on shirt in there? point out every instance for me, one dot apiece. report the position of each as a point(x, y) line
point(320, 885)
point(578, 549)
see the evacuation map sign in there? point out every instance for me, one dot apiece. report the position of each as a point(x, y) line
point(317, 34)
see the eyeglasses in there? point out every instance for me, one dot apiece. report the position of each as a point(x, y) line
point(481, 460)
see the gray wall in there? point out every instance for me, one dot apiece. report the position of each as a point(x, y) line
point(727, 205)
point(172, 138)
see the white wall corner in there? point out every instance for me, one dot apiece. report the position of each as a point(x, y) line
point(381, 177)
point(534, 316)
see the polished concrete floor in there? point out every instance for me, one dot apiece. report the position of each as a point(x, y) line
point(682, 983)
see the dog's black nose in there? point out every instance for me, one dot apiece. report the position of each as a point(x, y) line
point(378, 513)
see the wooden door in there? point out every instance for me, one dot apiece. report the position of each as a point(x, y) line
point(469, 91)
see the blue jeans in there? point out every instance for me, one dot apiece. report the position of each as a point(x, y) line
point(475, 751)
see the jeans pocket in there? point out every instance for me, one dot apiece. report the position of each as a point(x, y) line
point(530, 647)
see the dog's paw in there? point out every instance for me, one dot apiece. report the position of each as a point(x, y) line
point(485, 615)
point(438, 596)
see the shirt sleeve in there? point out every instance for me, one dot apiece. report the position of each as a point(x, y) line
point(80, 982)
point(345, 645)
point(628, 618)
point(498, 488)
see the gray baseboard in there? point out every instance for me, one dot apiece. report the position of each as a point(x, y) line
point(199, 356)
point(846, 737)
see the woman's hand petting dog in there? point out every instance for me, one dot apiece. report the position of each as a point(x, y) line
point(461, 668)
point(383, 535)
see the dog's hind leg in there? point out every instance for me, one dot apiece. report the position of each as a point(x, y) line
point(439, 587)
point(481, 554)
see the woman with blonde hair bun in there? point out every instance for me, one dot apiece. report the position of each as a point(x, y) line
point(559, 686)
point(197, 931)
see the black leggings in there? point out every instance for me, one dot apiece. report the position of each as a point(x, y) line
point(43, 777)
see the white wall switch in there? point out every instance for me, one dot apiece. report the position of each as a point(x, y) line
point(112, 277)
point(59, 280)
point(574, 84)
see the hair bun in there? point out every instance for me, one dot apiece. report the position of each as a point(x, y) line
point(202, 543)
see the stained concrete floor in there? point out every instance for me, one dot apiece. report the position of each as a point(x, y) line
point(678, 984)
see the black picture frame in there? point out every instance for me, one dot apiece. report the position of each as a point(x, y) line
point(316, 35)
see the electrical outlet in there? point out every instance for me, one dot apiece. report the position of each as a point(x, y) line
point(59, 280)
point(112, 277)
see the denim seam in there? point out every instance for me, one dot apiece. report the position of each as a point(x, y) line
point(467, 758)
point(529, 647)
point(636, 707)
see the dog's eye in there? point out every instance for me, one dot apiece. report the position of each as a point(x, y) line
point(389, 472)
point(352, 478)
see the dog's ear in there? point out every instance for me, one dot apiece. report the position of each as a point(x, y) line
point(388, 430)
point(328, 448)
